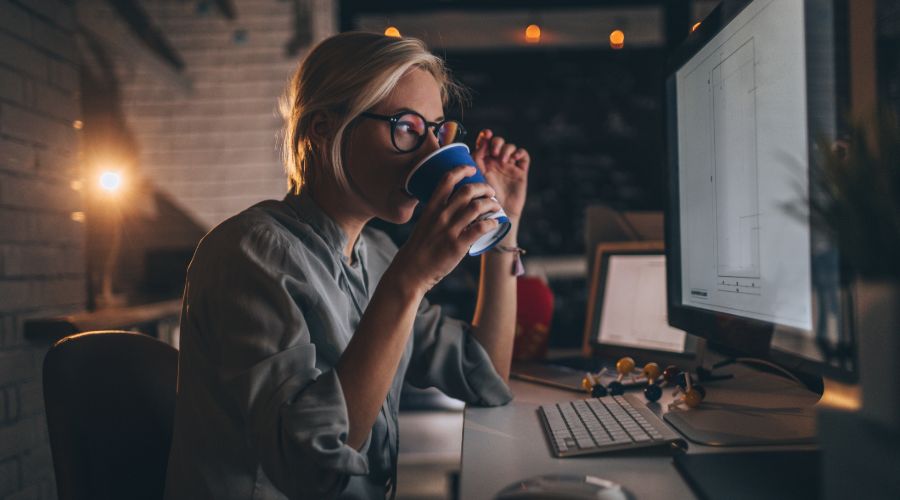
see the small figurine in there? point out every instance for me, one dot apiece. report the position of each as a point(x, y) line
point(616, 388)
point(651, 371)
point(653, 391)
point(669, 375)
point(693, 393)
point(591, 383)
point(625, 367)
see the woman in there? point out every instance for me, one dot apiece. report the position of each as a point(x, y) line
point(300, 323)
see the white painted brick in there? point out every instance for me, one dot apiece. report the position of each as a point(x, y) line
point(13, 400)
point(30, 398)
point(11, 334)
point(216, 148)
point(14, 19)
point(225, 39)
point(31, 492)
point(22, 57)
point(36, 464)
point(208, 123)
point(219, 138)
point(16, 157)
point(41, 260)
point(17, 438)
point(52, 101)
point(53, 39)
point(159, 157)
point(11, 86)
point(14, 367)
point(63, 74)
point(169, 10)
point(45, 8)
point(65, 19)
point(37, 193)
point(29, 226)
point(9, 477)
point(23, 124)
point(33, 295)
point(54, 163)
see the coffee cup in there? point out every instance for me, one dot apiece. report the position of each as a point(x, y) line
point(427, 175)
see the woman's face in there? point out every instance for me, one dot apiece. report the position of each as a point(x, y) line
point(375, 169)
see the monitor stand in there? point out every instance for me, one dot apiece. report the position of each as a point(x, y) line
point(754, 408)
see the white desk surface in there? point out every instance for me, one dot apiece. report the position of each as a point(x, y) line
point(505, 444)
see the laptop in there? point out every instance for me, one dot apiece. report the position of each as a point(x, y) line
point(626, 316)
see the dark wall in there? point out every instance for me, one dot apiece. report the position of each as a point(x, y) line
point(592, 122)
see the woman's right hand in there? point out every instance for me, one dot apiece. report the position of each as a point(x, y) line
point(445, 230)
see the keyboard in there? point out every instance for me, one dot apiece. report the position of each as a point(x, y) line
point(598, 425)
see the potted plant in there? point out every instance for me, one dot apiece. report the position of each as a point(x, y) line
point(855, 198)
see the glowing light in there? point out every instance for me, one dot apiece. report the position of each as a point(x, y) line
point(392, 31)
point(78, 124)
point(695, 26)
point(76, 185)
point(533, 33)
point(617, 39)
point(110, 180)
point(77, 216)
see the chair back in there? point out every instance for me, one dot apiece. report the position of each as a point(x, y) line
point(110, 402)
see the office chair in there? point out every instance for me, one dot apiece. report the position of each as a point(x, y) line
point(110, 402)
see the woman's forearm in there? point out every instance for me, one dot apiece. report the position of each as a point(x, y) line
point(369, 363)
point(494, 323)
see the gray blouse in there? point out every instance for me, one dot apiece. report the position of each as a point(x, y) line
point(269, 306)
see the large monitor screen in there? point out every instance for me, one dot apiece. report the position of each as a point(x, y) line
point(751, 97)
point(742, 162)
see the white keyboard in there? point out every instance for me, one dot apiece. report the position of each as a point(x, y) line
point(598, 425)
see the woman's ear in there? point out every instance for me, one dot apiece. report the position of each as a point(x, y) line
point(320, 128)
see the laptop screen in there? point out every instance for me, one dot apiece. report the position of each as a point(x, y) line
point(633, 311)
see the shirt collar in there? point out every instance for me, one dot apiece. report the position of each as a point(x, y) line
point(322, 224)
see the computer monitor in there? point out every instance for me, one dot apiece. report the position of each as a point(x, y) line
point(749, 96)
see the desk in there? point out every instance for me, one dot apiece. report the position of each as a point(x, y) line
point(507, 443)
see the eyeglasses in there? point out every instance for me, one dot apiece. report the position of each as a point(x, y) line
point(408, 130)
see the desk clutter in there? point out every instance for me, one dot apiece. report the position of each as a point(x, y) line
point(692, 393)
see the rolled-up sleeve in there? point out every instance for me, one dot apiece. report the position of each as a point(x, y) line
point(447, 355)
point(255, 305)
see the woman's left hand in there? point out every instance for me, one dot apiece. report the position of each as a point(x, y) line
point(505, 167)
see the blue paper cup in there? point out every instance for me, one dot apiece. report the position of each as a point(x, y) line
point(426, 176)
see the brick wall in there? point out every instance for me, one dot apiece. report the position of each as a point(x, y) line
point(207, 136)
point(41, 244)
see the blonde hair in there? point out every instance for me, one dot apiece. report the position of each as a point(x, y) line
point(342, 77)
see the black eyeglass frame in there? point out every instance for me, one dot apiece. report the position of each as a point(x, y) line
point(434, 126)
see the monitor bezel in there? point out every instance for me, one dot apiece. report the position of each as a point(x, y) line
point(728, 333)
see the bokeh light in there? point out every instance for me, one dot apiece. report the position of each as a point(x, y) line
point(110, 180)
point(533, 33)
point(392, 31)
point(617, 39)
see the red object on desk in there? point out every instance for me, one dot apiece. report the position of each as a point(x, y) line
point(534, 311)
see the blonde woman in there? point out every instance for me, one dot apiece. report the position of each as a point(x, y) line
point(300, 323)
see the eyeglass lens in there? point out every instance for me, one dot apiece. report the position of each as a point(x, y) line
point(411, 128)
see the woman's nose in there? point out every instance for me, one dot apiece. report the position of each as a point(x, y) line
point(431, 143)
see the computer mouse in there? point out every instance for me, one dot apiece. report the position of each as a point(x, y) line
point(563, 487)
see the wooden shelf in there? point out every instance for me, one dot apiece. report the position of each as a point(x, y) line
point(145, 318)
